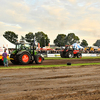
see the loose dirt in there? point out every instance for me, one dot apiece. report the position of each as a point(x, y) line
point(61, 83)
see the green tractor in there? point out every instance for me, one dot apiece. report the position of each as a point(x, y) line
point(25, 54)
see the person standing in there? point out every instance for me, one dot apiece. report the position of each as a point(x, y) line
point(5, 61)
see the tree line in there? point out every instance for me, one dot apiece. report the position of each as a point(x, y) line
point(39, 37)
point(43, 39)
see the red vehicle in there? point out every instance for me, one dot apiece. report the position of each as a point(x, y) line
point(70, 52)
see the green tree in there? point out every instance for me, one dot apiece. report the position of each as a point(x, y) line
point(60, 40)
point(84, 43)
point(29, 37)
point(71, 38)
point(97, 43)
point(42, 38)
point(11, 36)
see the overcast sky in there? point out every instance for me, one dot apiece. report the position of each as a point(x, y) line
point(53, 17)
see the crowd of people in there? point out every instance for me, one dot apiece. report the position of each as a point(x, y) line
point(53, 51)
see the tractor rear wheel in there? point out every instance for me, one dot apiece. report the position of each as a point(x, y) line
point(24, 58)
point(38, 59)
point(70, 54)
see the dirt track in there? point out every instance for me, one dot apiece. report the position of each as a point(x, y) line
point(65, 83)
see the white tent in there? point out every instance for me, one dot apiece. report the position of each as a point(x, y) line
point(4, 43)
point(76, 45)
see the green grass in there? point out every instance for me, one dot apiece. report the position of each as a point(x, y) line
point(48, 66)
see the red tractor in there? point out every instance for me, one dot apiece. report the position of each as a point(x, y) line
point(70, 52)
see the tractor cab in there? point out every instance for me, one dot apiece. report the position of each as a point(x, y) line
point(20, 47)
point(68, 47)
point(24, 47)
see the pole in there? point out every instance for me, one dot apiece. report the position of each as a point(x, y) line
point(33, 44)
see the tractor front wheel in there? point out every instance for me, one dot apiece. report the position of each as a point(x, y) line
point(24, 58)
point(38, 59)
point(79, 55)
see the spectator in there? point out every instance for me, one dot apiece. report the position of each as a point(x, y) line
point(5, 61)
